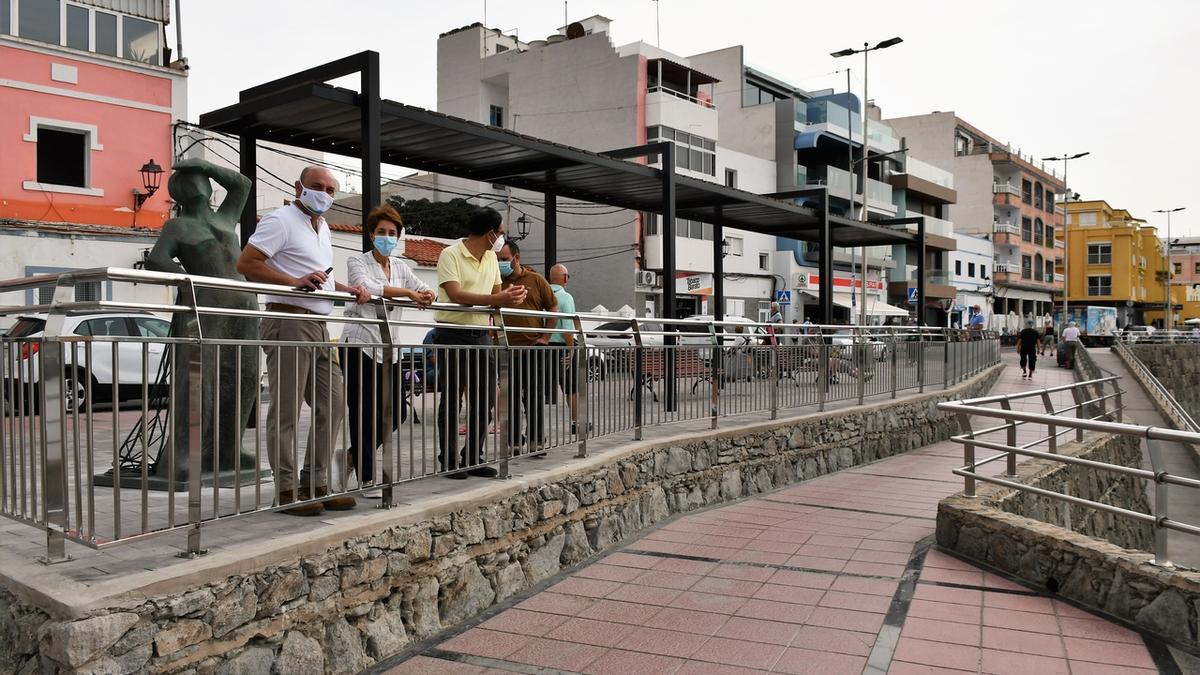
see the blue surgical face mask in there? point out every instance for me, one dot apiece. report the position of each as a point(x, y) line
point(506, 268)
point(386, 244)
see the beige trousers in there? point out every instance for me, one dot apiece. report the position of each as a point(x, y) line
point(295, 374)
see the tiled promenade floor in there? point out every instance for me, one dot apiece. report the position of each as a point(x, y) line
point(834, 575)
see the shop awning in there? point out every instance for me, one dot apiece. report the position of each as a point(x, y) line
point(1021, 294)
point(874, 307)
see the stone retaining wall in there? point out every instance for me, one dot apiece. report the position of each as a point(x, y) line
point(1188, 392)
point(995, 529)
point(368, 597)
point(1178, 368)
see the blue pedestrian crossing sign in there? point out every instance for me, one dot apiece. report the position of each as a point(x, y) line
point(912, 296)
point(783, 297)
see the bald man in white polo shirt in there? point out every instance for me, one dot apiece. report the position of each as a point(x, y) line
point(291, 247)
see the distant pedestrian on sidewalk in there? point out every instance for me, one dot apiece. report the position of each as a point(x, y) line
point(1027, 346)
point(565, 342)
point(1047, 343)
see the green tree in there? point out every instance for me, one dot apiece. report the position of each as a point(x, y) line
point(447, 220)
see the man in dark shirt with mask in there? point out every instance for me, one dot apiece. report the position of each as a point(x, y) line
point(529, 378)
point(1027, 341)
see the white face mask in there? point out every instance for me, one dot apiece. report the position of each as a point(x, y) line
point(316, 201)
point(498, 244)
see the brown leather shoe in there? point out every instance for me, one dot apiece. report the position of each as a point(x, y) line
point(336, 503)
point(289, 496)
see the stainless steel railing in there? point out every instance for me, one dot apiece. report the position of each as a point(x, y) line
point(1161, 336)
point(1086, 395)
point(116, 429)
point(1155, 388)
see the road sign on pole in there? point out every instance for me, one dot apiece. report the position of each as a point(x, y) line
point(912, 296)
point(783, 297)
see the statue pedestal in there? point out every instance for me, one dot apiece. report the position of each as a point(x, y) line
point(131, 479)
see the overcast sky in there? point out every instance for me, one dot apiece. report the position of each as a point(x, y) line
point(1118, 79)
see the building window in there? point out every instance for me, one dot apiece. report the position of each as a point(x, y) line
point(62, 157)
point(971, 270)
point(1100, 254)
point(694, 153)
point(106, 33)
point(731, 178)
point(78, 32)
point(735, 307)
point(1049, 270)
point(1026, 267)
point(983, 271)
point(1038, 266)
point(1026, 191)
point(1050, 236)
point(735, 245)
point(1196, 270)
point(1026, 229)
point(496, 115)
point(1049, 201)
point(1099, 285)
point(764, 261)
point(958, 268)
point(139, 40)
point(1037, 195)
point(1038, 231)
point(40, 20)
point(5, 17)
point(1086, 218)
point(1177, 268)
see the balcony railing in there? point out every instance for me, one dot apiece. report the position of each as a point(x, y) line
point(202, 429)
point(1006, 189)
point(1059, 243)
point(1059, 278)
point(929, 172)
point(1006, 228)
point(706, 102)
point(1008, 268)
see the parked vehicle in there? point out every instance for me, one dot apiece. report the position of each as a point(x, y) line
point(1133, 333)
point(846, 338)
point(24, 367)
point(1100, 326)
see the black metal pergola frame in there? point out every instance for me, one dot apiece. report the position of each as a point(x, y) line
point(303, 111)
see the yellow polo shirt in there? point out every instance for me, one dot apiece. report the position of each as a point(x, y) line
point(455, 263)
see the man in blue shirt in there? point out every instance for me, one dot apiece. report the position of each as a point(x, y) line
point(562, 342)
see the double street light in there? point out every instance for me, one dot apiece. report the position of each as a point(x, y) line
point(1066, 230)
point(1168, 303)
point(849, 51)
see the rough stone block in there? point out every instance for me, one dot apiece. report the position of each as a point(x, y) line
point(465, 595)
point(74, 643)
point(180, 634)
point(251, 661)
point(543, 563)
point(299, 654)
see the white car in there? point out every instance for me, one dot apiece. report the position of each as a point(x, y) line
point(1134, 333)
point(747, 333)
point(619, 333)
point(845, 338)
point(22, 367)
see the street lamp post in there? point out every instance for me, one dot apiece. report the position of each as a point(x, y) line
point(1066, 230)
point(1168, 308)
point(866, 49)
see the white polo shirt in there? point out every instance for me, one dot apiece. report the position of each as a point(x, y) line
point(286, 236)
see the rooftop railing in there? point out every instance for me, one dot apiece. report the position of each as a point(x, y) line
point(116, 428)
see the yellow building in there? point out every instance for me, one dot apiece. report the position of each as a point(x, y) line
point(1116, 260)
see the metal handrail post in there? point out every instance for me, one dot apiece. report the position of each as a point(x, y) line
point(1011, 438)
point(1161, 508)
point(580, 372)
point(53, 427)
point(638, 376)
point(860, 359)
point(920, 361)
point(716, 375)
point(946, 361)
point(1079, 412)
point(822, 370)
point(385, 336)
point(503, 380)
point(964, 425)
point(1117, 400)
point(192, 405)
point(1051, 428)
point(774, 376)
point(895, 375)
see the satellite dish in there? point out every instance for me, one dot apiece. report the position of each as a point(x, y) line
point(575, 30)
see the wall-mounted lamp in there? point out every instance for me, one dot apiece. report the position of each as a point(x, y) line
point(522, 228)
point(724, 248)
point(151, 179)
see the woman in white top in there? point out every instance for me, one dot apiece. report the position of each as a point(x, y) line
point(381, 272)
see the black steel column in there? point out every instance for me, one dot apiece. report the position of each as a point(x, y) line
point(369, 113)
point(668, 267)
point(718, 308)
point(921, 271)
point(825, 266)
point(550, 217)
point(248, 164)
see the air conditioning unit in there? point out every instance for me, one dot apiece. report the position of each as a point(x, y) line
point(645, 278)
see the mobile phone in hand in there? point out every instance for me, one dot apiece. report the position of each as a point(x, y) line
point(309, 289)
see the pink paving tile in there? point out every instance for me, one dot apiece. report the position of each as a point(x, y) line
point(591, 588)
point(556, 654)
point(681, 566)
point(1029, 621)
point(905, 668)
point(482, 642)
point(713, 552)
point(590, 632)
point(646, 595)
point(739, 653)
point(874, 569)
point(993, 581)
point(942, 631)
point(858, 601)
point(687, 620)
point(831, 540)
point(890, 557)
point(424, 665)
point(805, 579)
point(944, 611)
point(706, 668)
point(1012, 663)
point(663, 642)
point(608, 572)
point(969, 578)
point(884, 587)
point(794, 594)
point(655, 546)
point(775, 611)
point(814, 563)
point(958, 596)
point(1097, 629)
point(742, 572)
point(621, 662)
point(620, 612)
point(708, 602)
point(883, 545)
point(666, 579)
point(789, 536)
point(523, 622)
point(1065, 610)
point(737, 587)
point(942, 654)
point(1112, 653)
point(1023, 603)
point(810, 662)
point(941, 560)
point(848, 619)
point(758, 557)
point(820, 551)
point(1007, 640)
point(757, 630)
point(631, 560)
point(822, 639)
point(1086, 668)
point(557, 603)
point(772, 546)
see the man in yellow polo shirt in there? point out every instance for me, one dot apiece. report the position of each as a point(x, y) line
point(468, 274)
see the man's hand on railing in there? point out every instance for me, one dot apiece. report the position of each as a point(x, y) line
point(421, 298)
point(313, 281)
point(512, 296)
